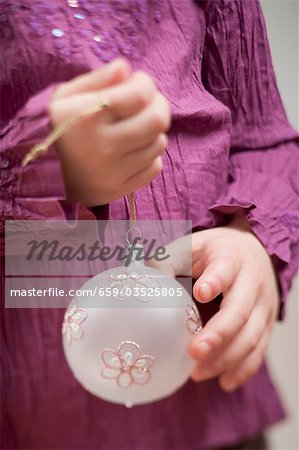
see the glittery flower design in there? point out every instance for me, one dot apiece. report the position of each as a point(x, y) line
point(193, 321)
point(131, 283)
point(109, 27)
point(72, 324)
point(126, 365)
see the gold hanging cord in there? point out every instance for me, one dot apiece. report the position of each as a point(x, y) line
point(133, 228)
point(58, 131)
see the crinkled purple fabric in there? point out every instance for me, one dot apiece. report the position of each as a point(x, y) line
point(230, 148)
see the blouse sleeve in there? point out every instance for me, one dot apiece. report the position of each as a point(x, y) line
point(37, 190)
point(263, 165)
point(23, 188)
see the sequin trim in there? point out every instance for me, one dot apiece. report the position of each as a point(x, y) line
point(111, 28)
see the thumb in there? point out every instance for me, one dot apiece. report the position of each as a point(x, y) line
point(108, 75)
point(216, 278)
point(179, 261)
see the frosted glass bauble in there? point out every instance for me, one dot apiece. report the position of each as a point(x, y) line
point(132, 348)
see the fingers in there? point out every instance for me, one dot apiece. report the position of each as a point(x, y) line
point(125, 99)
point(234, 313)
point(219, 274)
point(235, 378)
point(136, 167)
point(231, 357)
point(135, 182)
point(180, 258)
point(245, 342)
point(140, 159)
point(130, 97)
point(145, 176)
point(142, 129)
point(108, 75)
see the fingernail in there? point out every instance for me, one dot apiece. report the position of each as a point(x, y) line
point(204, 348)
point(205, 291)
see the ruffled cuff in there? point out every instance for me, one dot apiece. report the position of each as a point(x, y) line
point(276, 227)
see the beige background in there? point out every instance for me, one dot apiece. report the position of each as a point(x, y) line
point(282, 24)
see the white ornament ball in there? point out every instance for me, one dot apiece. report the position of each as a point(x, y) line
point(132, 348)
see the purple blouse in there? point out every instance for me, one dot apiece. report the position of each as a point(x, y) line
point(230, 148)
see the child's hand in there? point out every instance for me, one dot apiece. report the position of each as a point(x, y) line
point(232, 261)
point(117, 150)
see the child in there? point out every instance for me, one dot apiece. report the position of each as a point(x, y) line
point(229, 165)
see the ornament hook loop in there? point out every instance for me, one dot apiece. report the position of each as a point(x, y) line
point(129, 234)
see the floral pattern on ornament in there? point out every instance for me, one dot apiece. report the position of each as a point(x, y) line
point(126, 365)
point(193, 321)
point(72, 328)
point(131, 283)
